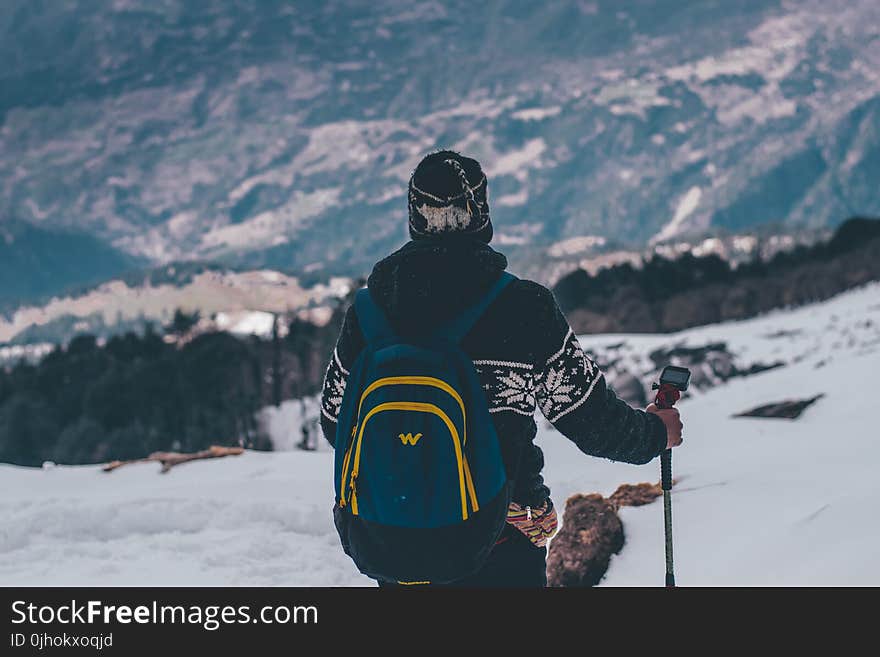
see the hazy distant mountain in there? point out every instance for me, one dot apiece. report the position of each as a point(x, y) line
point(36, 263)
point(282, 134)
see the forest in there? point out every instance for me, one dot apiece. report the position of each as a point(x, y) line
point(160, 390)
point(665, 295)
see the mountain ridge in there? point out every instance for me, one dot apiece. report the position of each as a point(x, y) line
point(275, 136)
point(666, 295)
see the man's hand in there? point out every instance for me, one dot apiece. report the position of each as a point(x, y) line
point(672, 421)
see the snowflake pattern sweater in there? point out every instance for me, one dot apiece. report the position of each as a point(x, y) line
point(524, 351)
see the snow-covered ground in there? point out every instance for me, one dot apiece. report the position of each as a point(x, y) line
point(758, 501)
point(284, 425)
point(763, 501)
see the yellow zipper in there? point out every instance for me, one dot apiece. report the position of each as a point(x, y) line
point(344, 474)
point(470, 485)
point(418, 381)
point(353, 498)
point(420, 407)
point(345, 466)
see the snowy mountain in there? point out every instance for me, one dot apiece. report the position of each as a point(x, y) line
point(281, 135)
point(757, 501)
point(242, 302)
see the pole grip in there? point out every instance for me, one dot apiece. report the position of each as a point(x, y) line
point(666, 469)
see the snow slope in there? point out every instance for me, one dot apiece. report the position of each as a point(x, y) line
point(763, 501)
point(758, 501)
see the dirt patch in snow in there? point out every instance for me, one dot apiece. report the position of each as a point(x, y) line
point(591, 532)
point(789, 409)
point(635, 495)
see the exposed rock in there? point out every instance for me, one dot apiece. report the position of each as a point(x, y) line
point(709, 364)
point(630, 389)
point(693, 355)
point(789, 409)
point(783, 333)
point(591, 532)
point(635, 494)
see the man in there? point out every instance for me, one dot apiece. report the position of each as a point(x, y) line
point(522, 347)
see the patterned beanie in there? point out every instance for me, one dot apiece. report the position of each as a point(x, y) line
point(448, 196)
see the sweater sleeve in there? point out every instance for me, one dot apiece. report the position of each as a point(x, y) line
point(348, 346)
point(572, 394)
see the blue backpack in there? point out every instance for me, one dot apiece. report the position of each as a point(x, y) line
point(421, 487)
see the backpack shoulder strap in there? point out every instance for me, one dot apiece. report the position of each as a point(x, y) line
point(373, 322)
point(456, 329)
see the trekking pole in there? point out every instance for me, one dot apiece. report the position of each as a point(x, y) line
point(673, 381)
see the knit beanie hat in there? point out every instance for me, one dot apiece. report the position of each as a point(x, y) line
point(448, 196)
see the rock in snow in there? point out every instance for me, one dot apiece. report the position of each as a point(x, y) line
point(789, 409)
point(591, 532)
point(635, 494)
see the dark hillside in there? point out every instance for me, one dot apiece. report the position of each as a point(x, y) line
point(669, 295)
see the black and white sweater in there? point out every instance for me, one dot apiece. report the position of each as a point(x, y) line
point(525, 353)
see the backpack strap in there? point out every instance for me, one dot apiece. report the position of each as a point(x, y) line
point(457, 328)
point(373, 322)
